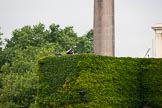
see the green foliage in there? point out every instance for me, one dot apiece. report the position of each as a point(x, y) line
point(38, 36)
point(1, 42)
point(152, 82)
point(109, 82)
point(89, 35)
point(28, 36)
point(19, 89)
point(1, 55)
point(19, 78)
point(8, 105)
point(51, 81)
point(19, 58)
point(85, 43)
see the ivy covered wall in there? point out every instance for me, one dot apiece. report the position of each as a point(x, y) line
point(92, 81)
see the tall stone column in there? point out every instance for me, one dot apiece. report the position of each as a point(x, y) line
point(158, 40)
point(104, 39)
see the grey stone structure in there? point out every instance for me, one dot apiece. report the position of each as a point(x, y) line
point(157, 40)
point(104, 39)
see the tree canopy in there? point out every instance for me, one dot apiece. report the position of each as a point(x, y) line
point(1, 42)
point(18, 63)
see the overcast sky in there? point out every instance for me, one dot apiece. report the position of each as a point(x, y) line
point(133, 19)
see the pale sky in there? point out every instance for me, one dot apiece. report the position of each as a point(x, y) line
point(133, 19)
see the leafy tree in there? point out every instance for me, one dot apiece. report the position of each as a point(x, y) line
point(1, 42)
point(19, 89)
point(66, 37)
point(19, 77)
point(18, 63)
point(89, 35)
point(1, 55)
point(54, 33)
point(69, 38)
point(28, 36)
point(84, 43)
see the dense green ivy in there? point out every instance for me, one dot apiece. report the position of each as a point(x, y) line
point(109, 82)
point(152, 82)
